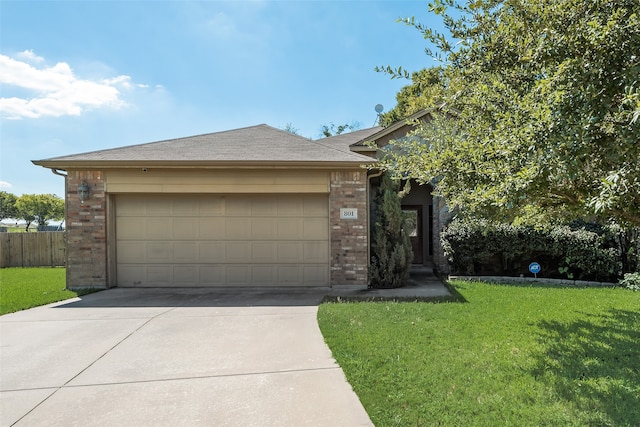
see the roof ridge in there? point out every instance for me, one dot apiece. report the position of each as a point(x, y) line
point(164, 141)
point(394, 126)
point(350, 133)
point(283, 131)
point(351, 153)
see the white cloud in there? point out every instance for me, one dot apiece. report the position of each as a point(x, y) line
point(28, 55)
point(5, 184)
point(55, 91)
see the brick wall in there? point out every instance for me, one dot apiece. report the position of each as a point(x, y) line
point(349, 245)
point(86, 225)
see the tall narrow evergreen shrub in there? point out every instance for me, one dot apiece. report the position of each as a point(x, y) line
point(391, 254)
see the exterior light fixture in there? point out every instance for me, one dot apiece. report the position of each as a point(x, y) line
point(84, 191)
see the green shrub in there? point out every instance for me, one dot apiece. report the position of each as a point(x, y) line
point(631, 281)
point(479, 246)
point(392, 254)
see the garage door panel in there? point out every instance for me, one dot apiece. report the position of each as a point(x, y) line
point(131, 275)
point(263, 275)
point(237, 275)
point(131, 206)
point(211, 228)
point(264, 252)
point(290, 228)
point(237, 252)
point(132, 251)
point(159, 252)
point(212, 240)
point(289, 274)
point(315, 252)
point(158, 206)
point(211, 206)
point(263, 206)
point(290, 252)
point(211, 252)
point(132, 229)
point(185, 252)
point(185, 275)
point(185, 228)
point(315, 206)
point(264, 228)
point(159, 275)
point(289, 207)
point(315, 275)
point(159, 228)
point(238, 228)
point(237, 206)
point(212, 275)
point(315, 228)
point(187, 206)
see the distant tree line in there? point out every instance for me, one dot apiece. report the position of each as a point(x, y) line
point(326, 130)
point(31, 208)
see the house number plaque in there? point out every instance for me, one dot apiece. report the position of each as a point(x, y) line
point(348, 213)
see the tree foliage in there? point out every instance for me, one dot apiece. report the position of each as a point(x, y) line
point(332, 129)
point(39, 208)
point(425, 91)
point(392, 253)
point(537, 109)
point(7, 205)
point(289, 127)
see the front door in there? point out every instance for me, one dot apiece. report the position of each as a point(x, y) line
point(414, 225)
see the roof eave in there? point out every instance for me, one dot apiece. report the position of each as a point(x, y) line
point(203, 164)
point(394, 127)
point(363, 149)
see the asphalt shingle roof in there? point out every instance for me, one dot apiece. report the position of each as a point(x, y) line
point(345, 140)
point(255, 144)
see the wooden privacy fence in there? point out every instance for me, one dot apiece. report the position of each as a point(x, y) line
point(41, 249)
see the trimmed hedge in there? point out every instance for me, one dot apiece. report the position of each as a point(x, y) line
point(482, 247)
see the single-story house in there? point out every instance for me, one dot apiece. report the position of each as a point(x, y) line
point(253, 206)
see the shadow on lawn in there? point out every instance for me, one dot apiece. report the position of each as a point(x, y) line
point(594, 363)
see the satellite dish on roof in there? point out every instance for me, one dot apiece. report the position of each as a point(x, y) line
point(379, 109)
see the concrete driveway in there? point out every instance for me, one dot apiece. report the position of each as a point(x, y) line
point(174, 357)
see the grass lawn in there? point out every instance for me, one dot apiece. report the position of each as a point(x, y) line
point(22, 288)
point(510, 355)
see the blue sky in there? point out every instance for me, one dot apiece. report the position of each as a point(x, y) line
point(79, 76)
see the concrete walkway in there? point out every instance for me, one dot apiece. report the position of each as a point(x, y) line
point(177, 357)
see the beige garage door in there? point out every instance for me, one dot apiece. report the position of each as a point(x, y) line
point(222, 240)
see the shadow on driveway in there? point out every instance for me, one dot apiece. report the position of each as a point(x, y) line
point(202, 297)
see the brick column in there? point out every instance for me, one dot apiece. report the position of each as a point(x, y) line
point(86, 225)
point(349, 244)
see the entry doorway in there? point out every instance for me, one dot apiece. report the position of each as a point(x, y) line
point(413, 214)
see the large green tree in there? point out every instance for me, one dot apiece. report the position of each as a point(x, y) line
point(7, 205)
point(427, 89)
point(40, 208)
point(540, 108)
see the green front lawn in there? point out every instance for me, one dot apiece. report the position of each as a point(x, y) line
point(22, 288)
point(510, 355)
